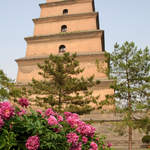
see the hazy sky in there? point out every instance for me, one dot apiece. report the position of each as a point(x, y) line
point(122, 20)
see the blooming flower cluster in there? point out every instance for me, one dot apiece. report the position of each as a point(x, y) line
point(49, 112)
point(73, 138)
point(93, 146)
point(52, 120)
point(23, 102)
point(6, 110)
point(85, 130)
point(21, 112)
point(77, 135)
point(33, 143)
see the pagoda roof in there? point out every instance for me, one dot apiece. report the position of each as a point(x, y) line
point(65, 36)
point(65, 17)
point(92, 54)
point(64, 2)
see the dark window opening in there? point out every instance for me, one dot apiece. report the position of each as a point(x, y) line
point(62, 48)
point(65, 11)
point(63, 28)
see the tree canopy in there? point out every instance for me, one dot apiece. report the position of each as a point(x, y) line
point(8, 90)
point(130, 70)
point(61, 87)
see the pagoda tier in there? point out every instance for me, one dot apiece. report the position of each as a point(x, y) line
point(74, 42)
point(74, 23)
point(57, 7)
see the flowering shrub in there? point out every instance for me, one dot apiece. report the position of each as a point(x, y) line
point(45, 130)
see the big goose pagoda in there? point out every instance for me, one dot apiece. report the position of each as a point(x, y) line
point(66, 26)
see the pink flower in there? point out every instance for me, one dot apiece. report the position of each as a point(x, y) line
point(85, 129)
point(77, 147)
point(72, 138)
point(67, 114)
point(39, 111)
point(33, 143)
point(93, 146)
point(84, 139)
point(22, 112)
point(6, 110)
point(49, 112)
point(109, 145)
point(72, 119)
point(59, 118)
point(52, 120)
point(23, 102)
point(1, 122)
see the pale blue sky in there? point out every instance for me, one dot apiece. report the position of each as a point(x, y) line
point(121, 19)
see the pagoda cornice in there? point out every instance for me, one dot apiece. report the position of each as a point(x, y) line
point(91, 54)
point(65, 36)
point(104, 84)
point(63, 2)
point(66, 17)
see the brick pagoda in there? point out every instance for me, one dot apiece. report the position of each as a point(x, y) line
point(66, 26)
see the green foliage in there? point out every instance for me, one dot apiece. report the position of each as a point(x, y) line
point(146, 139)
point(7, 88)
point(61, 88)
point(130, 70)
point(130, 67)
point(27, 125)
point(16, 129)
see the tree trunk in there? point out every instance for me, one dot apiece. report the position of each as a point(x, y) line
point(130, 139)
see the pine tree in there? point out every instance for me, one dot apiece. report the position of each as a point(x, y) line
point(130, 70)
point(61, 87)
point(8, 89)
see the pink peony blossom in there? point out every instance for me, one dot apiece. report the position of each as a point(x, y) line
point(22, 112)
point(67, 114)
point(49, 112)
point(109, 145)
point(77, 147)
point(85, 129)
point(84, 139)
point(39, 111)
point(6, 110)
point(59, 118)
point(23, 102)
point(72, 119)
point(33, 143)
point(52, 120)
point(93, 146)
point(1, 122)
point(72, 138)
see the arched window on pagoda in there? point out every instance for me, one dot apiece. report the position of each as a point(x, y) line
point(65, 11)
point(63, 28)
point(62, 48)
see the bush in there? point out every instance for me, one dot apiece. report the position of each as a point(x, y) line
point(146, 139)
point(22, 128)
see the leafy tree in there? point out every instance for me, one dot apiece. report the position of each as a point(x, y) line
point(8, 90)
point(130, 69)
point(61, 86)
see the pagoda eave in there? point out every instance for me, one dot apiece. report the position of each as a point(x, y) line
point(65, 17)
point(66, 36)
point(64, 2)
point(104, 84)
point(92, 54)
